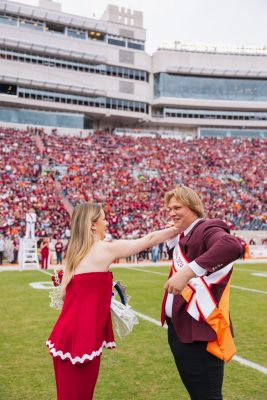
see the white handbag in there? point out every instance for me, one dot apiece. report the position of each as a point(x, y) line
point(123, 318)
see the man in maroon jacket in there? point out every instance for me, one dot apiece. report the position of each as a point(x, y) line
point(196, 301)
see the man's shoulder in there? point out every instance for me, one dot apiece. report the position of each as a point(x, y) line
point(209, 223)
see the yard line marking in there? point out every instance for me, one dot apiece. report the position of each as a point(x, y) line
point(240, 360)
point(45, 272)
point(141, 265)
point(251, 364)
point(261, 274)
point(145, 270)
point(42, 285)
point(247, 270)
point(149, 319)
point(233, 286)
point(248, 290)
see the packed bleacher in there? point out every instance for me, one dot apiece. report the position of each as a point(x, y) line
point(23, 185)
point(129, 176)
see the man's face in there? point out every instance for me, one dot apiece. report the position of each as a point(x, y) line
point(180, 214)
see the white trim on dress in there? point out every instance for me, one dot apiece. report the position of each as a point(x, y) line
point(78, 359)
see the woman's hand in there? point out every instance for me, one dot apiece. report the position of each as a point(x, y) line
point(169, 224)
point(175, 231)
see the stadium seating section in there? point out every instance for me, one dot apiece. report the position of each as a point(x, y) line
point(129, 176)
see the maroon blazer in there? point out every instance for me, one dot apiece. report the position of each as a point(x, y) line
point(211, 246)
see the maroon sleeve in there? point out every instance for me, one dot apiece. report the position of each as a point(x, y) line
point(221, 249)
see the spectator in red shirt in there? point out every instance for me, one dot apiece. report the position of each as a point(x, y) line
point(44, 253)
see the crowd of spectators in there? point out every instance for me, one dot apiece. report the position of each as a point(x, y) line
point(129, 176)
point(22, 186)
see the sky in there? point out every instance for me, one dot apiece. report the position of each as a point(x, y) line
point(214, 22)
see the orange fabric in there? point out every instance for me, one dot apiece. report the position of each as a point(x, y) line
point(187, 293)
point(224, 347)
point(247, 252)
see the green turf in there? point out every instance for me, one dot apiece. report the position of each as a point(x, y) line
point(141, 367)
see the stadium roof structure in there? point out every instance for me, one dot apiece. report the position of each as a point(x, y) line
point(56, 62)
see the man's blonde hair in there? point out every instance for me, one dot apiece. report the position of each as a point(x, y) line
point(188, 197)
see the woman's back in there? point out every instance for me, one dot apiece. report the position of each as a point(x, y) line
point(98, 259)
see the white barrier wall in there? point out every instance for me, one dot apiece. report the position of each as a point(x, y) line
point(257, 236)
point(258, 251)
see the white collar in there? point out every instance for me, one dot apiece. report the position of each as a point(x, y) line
point(190, 227)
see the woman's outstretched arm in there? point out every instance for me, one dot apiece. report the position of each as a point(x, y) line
point(126, 248)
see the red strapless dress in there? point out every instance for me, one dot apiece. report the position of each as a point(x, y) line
point(84, 326)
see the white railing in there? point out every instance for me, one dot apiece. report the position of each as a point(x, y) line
point(209, 48)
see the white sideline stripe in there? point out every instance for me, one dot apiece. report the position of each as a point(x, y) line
point(252, 261)
point(233, 286)
point(240, 360)
point(160, 264)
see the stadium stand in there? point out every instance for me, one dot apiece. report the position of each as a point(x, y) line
point(189, 114)
point(129, 175)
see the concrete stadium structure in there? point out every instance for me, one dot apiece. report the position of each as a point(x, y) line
point(77, 73)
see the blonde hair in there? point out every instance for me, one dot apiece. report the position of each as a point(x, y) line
point(82, 236)
point(188, 197)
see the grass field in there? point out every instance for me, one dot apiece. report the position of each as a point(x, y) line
point(141, 367)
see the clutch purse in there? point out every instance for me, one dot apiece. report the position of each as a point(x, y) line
point(123, 316)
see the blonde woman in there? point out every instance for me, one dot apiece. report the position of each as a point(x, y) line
point(84, 326)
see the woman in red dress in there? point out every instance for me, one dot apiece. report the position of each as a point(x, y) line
point(44, 253)
point(84, 326)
